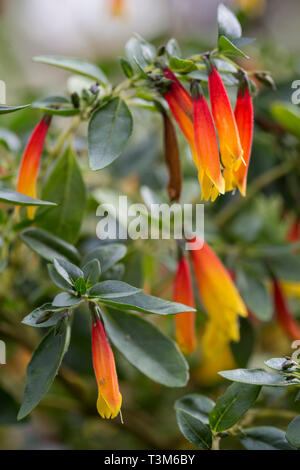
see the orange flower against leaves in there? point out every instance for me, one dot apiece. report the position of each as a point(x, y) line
point(293, 234)
point(206, 141)
point(30, 163)
point(184, 322)
point(229, 140)
point(220, 298)
point(109, 397)
point(244, 119)
point(283, 313)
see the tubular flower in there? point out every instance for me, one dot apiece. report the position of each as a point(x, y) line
point(181, 106)
point(184, 322)
point(30, 163)
point(109, 397)
point(206, 141)
point(244, 119)
point(229, 140)
point(283, 313)
point(220, 298)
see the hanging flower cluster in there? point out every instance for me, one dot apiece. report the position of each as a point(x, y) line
point(221, 301)
point(220, 139)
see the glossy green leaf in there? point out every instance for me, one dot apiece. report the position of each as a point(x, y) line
point(288, 116)
point(258, 377)
point(69, 271)
point(18, 199)
point(147, 304)
point(44, 366)
point(139, 52)
point(44, 316)
point(92, 271)
point(173, 48)
point(65, 187)
point(147, 348)
point(196, 405)
point(279, 363)
point(66, 299)
point(58, 280)
point(194, 430)
point(229, 48)
point(11, 109)
point(264, 438)
point(48, 246)
point(109, 130)
point(56, 105)
point(182, 65)
point(228, 24)
point(126, 67)
point(112, 289)
point(107, 255)
point(231, 406)
point(255, 295)
point(80, 286)
point(293, 432)
point(75, 65)
point(243, 349)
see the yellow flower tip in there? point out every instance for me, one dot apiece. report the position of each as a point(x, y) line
point(108, 411)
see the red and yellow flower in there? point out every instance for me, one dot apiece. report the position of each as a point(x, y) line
point(283, 314)
point(183, 293)
point(109, 397)
point(30, 163)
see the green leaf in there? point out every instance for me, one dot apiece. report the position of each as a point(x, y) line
point(288, 116)
point(80, 286)
point(139, 53)
point(231, 406)
point(227, 47)
point(255, 295)
point(194, 430)
point(243, 349)
point(258, 377)
point(147, 304)
point(196, 405)
point(9, 140)
point(277, 363)
point(75, 65)
point(228, 24)
point(44, 366)
point(126, 67)
point(293, 432)
point(57, 279)
point(264, 438)
point(92, 271)
point(67, 270)
point(109, 130)
point(182, 65)
point(57, 105)
point(64, 186)
point(48, 246)
point(44, 316)
point(66, 299)
point(112, 289)
point(173, 48)
point(11, 109)
point(8, 409)
point(107, 255)
point(147, 348)
point(17, 199)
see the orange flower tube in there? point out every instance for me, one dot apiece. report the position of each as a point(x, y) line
point(283, 313)
point(109, 397)
point(230, 144)
point(220, 298)
point(30, 163)
point(206, 140)
point(184, 322)
point(117, 7)
point(244, 119)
